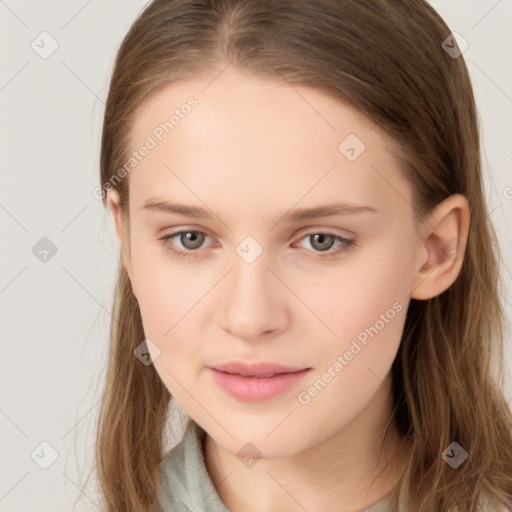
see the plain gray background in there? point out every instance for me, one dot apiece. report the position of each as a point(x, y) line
point(55, 313)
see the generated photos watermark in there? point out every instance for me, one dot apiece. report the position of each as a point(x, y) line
point(151, 142)
point(304, 397)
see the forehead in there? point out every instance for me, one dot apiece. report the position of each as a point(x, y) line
point(261, 140)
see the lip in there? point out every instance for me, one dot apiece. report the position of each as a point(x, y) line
point(258, 381)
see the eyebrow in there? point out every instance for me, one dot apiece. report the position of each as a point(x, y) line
point(296, 215)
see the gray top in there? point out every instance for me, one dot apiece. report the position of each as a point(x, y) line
point(187, 486)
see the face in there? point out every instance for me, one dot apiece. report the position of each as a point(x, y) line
point(252, 281)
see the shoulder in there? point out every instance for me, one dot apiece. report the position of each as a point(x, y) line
point(183, 478)
point(176, 469)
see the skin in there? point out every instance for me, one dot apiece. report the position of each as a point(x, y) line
point(249, 152)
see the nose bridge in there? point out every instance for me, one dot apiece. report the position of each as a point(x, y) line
point(251, 280)
point(253, 302)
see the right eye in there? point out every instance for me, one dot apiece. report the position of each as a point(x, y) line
point(190, 240)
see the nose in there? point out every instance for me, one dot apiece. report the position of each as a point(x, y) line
point(255, 302)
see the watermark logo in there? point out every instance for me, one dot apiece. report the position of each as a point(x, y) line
point(44, 250)
point(454, 455)
point(44, 45)
point(44, 455)
point(147, 352)
point(249, 249)
point(249, 454)
point(352, 147)
point(455, 45)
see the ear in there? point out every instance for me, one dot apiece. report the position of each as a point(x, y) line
point(121, 226)
point(441, 247)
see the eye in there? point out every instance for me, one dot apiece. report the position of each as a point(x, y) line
point(190, 240)
point(323, 243)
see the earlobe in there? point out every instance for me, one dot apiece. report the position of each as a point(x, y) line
point(442, 247)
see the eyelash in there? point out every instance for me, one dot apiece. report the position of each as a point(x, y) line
point(191, 254)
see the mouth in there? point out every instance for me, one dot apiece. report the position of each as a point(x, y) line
point(262, 369)
point(257, 382)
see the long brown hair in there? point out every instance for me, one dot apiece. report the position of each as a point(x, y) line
point(385, 58)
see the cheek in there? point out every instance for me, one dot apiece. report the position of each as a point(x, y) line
point(366, 308)
point(360, 288)
point(170, 304)
point(362, 302)
point(167, 294)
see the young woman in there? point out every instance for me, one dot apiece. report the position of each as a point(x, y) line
point(307, 267)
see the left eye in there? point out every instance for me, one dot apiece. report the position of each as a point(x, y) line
point(192, 240)
point(323, 242)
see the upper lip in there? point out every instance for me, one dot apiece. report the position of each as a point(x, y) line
point(256, 369)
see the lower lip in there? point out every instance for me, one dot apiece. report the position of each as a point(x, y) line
point(256, 389)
